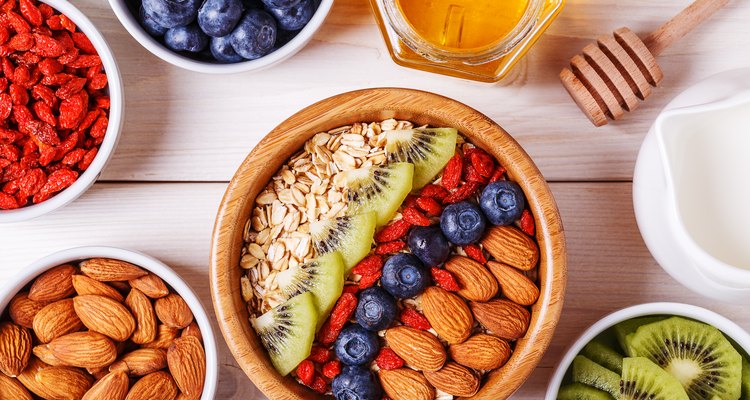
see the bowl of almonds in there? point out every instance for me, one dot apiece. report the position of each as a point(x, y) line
point(104, 323)
point(388, 243)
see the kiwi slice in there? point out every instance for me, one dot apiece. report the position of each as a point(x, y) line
point(603, 355)
point(624, 329)
point(350, 235)
point(578, 391)
point(429, 149)
point(644, 380)
point(379, 189)
point(323, 276)
point(592, 374)
point(287, 332)
point(745, 379)
point(697, 354)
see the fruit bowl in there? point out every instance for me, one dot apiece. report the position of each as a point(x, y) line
point(422, 108)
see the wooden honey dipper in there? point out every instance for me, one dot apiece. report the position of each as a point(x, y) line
point(611, 75)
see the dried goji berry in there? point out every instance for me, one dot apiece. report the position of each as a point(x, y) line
point(4, 35)
point(369, 265)
point(43, 133)
point(11, 187)
point(83, 43)
point(410, 201)
point(98, 82)
point(471, 175)
point(498, 174)
point(332, 369)
point(58, 181)
point(8, 202)
point(88, 158)
point(12, 171)
point(30, 12)
point(18, 94)
point(3, 84)
point(482, 162)
point(319, 355)
point(306, 372)
point(390, 247)
point(9, 152)
point(99, 128)
point(8, 67)
point(6, 105)
point(319, 385)
point(367, 281)
point(70, 88)
point(430, 206)
point(73, 110)
point(44, 112)
point(46, 154)
point(414, 217)
point(56, 79)
point(394, 231)
point(433, 191)
point(527, 223)
point(18, 23)
point(86, 61)
point(73, 157)
point(475, 253)
point(50, 66)
point(45, 94)
point(411, 317)
point(46, 10)
point(68, 56)
point(102, 102)
point(452, 172)
point(22, 42)
point(387, 359)
point(444, 279)
point(54, 23)
point(353, 289)
point(462, 193)
point(47, 46)
point(89, 119)
point(31, 183)
point(341, 313)
point(67, 23)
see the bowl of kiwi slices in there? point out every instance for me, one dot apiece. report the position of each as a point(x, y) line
point(346, 217)
point(656, 351)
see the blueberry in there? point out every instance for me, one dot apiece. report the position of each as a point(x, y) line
point(186, 38)
point(405, 276)
point(429, 244)
point(502, 202)
point(356, 345)
point(283, 37)
point(295, 17)
point(280, 3)
point(376, 309)
point(356, 383)
point(462, 223)
point(172, 13)
point(219, 17)
point(255, 35)
point(148, 23)
point(223, 51)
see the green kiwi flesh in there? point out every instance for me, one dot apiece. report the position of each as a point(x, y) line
point(603, 355)
point(579, 391)
point(379, 189)
point(287, 332)
point(644, 380)
point(625, 329)
point(592, 374)
point(429, 149)
point(696, 354)
point(350, 235)
point(323, 276)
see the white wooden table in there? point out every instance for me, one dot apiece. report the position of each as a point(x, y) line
point(185, 133)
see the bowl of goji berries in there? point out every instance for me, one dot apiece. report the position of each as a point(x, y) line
point(61, 106)
point(388, 243)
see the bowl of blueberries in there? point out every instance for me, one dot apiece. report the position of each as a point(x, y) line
point(222, 36)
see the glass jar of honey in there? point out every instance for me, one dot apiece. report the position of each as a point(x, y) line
point(474, 39)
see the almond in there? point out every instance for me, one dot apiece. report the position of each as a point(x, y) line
point(53, 285)
point(107, 270)
point(173, 311)
point(64, 383)
point(509, 245)
point(98, 373)
point(192, 330)
point(156, 386)
point(141, 362)
point(106, 316)
point(113, 386)
point(503, 318)
point(84, 349)
point(481, 352)
point(515, 285)
point(145, 318)
point(406, 384)
point(55, 320)
point(448, 314)
point(164, 337)
point(15, 348)
point(420, 350)
point(45, 354)
point(121, 286)
point(85, 285)
point(187, 364)
point(455, 380)
point(476, 283)
point(22, 310)
point(12, 389)
point(28, 378)
point(151, 285)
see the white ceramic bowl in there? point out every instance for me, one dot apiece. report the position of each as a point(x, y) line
point(130, 21)
point(723, 324)
point(146, 262)
point(107, 147)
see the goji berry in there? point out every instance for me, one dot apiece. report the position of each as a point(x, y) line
point(452, 172)
point(88, 158)
point(387, 359)
point(12, 171)
point(414, 217)
point(306, 372)
point(86, 61)
point(332, 369)
point(353, 289)
point(341, 313)
point(319, 355)
point(319, 385)
point(68, 56)
point(498, 174)
point(394, 231)
point(475, 253)
point(42, 133)
point(44, 112)
point(30, 12)
point(433, 191)
point(10, 187)
point(527, 223)
point(471, 175)
point(47, 46)
point(58, 181)
point(462, 193)
point(7, 202)
point(102, 102)
point(73, 110)
point(4, 35)
point(482, 162)
point(430, 206)
point(369, 265)
point(17, 22)
point(390, 247)
point(54, 23)
point(83, 43)
point(70, 88)
point(9, 152)
point(411, 317)
point(410, 201)
point(31, 183)
point(46, 10)
point(67, 23)
point(3, 84)
point(98, 82)
point(444, 279)
point(6, 105)
point(73, 157)
point(18, 94)
point(22, 42)
point(367, 281)
point(50, 66)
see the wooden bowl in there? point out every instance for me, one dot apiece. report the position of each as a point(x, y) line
point(366, 106)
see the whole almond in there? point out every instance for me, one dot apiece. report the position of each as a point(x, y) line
point(475, 281)
point(45, 354)
point(481, 352)
point(29, 381)
point(173, 311)
point(192, 330)
point(503, 318)
point(120, 286)
point(187, 364)
point(15, 348)
point(53, 285)
point(12, 389)
point(455, 380)
point(64, 383)
point(156, 386)
point(113, 386)
point(106, 316)
point(84, 285)
point(55, 320)
point(515, 285)
point(164, 337)
point(151, 285)
point(84, 349)
point(141, 362)
point(509, 245)
point(22, 310)
point(420, 350)
point(406, 384)
point(107, 270)
point(448, 314)
point(145, 318)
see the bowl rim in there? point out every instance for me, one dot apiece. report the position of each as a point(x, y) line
point(354, 106)
point(114, 127)
point(129, 21)
point(28, 274)
point(722, 323)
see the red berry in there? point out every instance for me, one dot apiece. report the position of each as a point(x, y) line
point(341, 313)
point(319, 385)
point(475, 253)
point(527, 223)
point(390, 247)
point(411, 317)
point(387, 359)
point(436, 192)
point(319, 355)
point(369, 280)
point(452, 172)
point(430, 206)
point(331, 369)
point(462, 193)
point(444, 279)
point(370, 265)
point(306, 372)
point(414, 217)
point(394, 231)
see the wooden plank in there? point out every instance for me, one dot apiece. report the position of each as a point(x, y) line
point(184, 126)
point(609, 266)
